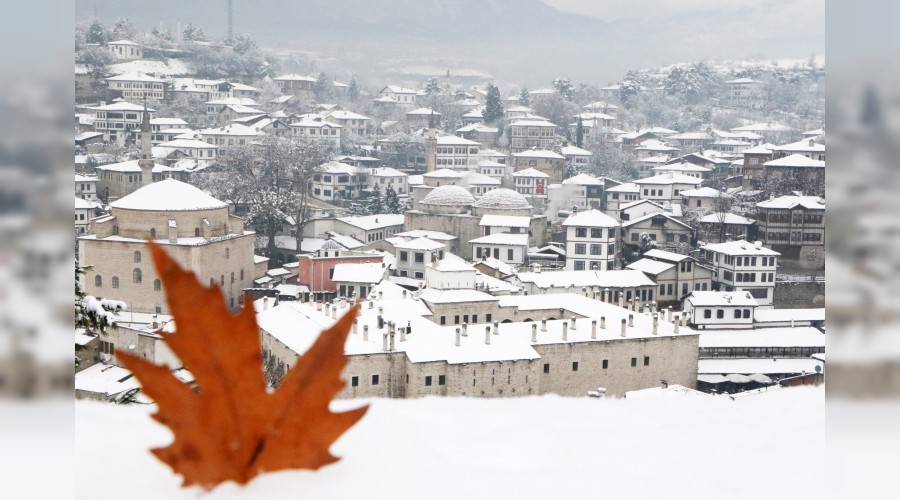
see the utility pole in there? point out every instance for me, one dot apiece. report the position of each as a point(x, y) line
point(230, 19)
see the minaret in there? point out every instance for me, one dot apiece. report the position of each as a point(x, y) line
point(146, 161)
point(430, 146)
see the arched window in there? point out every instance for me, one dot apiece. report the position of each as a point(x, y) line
point(152, 233)
point(232, 277)
point(746, 313)
point(136, 275)
point(98, 281)
point(212, 281)
point(157, 285)
point(720, 313)
point(707, 313)
point(115, 281)
point(227, 253)
point(737, 313)
point(222, 280)
point(115, 229)
point(196, 231)
point(137, 256)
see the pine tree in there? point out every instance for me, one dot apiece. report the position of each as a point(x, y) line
point(524, 97)
point(564, 87)
point(193, 33)
point(432, 87)
point(353, 89)
point(91, 313)
point(322, 86)
point(392, 203)
point(579, 133)
point(493, 108)
point(96, 33)
point(376, 203)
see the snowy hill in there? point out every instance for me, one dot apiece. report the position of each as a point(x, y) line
point(664, 444)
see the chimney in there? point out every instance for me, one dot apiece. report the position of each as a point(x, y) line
point(533, 333)
point(669, 314)
point(173, 231)
point(365, 333)
point(384, 342)
point(812, 143)
point(603, 322)
point(318, 306)
point(391, 336)
point(465, 330)
point(573, 323)
point(623, 327)
point(543, 324)
point(487, 335)
point(622, 300)
point(565, 336)
point(155, 324)
point(655, 323)
point(380, 296)
point(371, 304)
point(355, 326)
point(457, 337)
point(496, 328)
point(404, 293)
point(402, 334)
point(593, 329)
point(265, 303)
point(676, 324)
point(631, 320)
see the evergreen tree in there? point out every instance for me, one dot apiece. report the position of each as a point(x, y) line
point(579, 133)
point(242, 43)
point(493, 108)
point(123, 30)
point(376, 203)
point(432, 87)
point(91, 313)
point(353, 89)
point(460, 94)
point(392, 203)
point(564, 87)
point(322, 87)
point(193, 33)
point(524, 97)
point(96, 33)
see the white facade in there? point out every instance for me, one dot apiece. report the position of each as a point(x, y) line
point(509, 248)
point(119, 121)
point(125, 50)
point(531, 182)
point(336, 181)
point(721, 309)
point(743, 266)
point(86, 187)
point(591, 241)
point(385, 177)
point(136, 86)
point(317, 129)
point(413, 255)
point(456, 153)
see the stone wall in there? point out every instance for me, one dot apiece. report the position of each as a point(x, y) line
point(799, 295)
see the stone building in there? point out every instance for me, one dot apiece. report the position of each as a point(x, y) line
point(195, 228)
point(528, 133)
point(548, 162)
point(675, 275)
point(795, 227)
point(396, 348)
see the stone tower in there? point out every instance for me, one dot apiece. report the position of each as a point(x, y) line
point(430, 147)
point(146, 161)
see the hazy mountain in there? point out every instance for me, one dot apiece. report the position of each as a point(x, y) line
point(520, 41)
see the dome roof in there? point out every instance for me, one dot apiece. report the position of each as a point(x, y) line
point(168, 195)
point(504, 199)
point(449, 195)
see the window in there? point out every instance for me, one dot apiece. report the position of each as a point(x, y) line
point(546, 367)
point(232, 277)
point(579, 265)
point(228, 255)
point(634, 236)
point(222, 280)
point(670, 238)
point(137, 256)
point(242, 275)
point(746, 313)
point(509, 254)
point(633, 361)
point(442, 379)
point(136, 275)
point(720, 314)
point(574, 366)
point(420, 257)
point(646, 360)
point(443, 320)
point(404, 256)
point(115, 282)
point(596, 232)
point(580, 249)
point(487, 318)
point(456, 319)
point(428, 380)
point(98, 281)
point(152, 233)
point(157, 285)
point(595, 250)
point(196, 231)
point(737, 314)
point(605, 364)
point(375, 380)
point(707, 313)
point(354, 381)
point(580, 232)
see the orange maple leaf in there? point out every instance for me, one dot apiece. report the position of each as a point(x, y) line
point(233, 429)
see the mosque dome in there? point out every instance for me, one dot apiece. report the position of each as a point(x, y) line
point(503, 199)
point(456, 196)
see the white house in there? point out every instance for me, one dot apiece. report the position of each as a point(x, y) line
point(660, 227)
point(581, 191)
point(233, 134)
point(743, 266)
point(203, 152)
point(336, 181)
point(317, 129)
point(356, 280)
point(385, 177)
point(457, 153)
point(682, 168)
point(720, 310)
point(591, 241)
point(86, 187)
point(530, 182)
point(509, 248)
point(576, 157)
point(84, 212)
point(413, 255)
point(701, 197)
point(525, 134)
point(137, 86)
point(620, 195)
point(125, 50)
point(119, 121)
point(675, 275)
point(639, 208)
point(401, 96)
point(666, 187)
point(369, 228)
point(352, 122)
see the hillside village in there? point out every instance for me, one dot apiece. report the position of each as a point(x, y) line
point(664, 229)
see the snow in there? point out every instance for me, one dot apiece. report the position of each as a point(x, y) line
point(583, 180)
point(536, 447)
point(455, 296)
point(502, 198)
point(424, 233)
point(528, 172)
point(664, 255)
point(420, 243)
point(491, 284)
point(386, 172)
point(121, 106)
point(452, 140)
point(135, 77)
point(499, 265)
point(765, 366)
point(512, 239)
point(532, 123)
point(505, 221)
point(452, 263)
point(624, 278)
point(371, 222)
point(106, 380)
point(170, 67)
point(650, 216)
point(740, 247)
point(539, 153)
point(423, 112)
point(805, 145)
point(628, 187)
point(590, 218)
point(796, 160)
point(649, 266)
point(715, 298)
point(727, 218)
point(168, 195)
point(294, 77)
point(682, 167)
point(786, 315)
point(234, 129)
point(449, 195)
point(359, 273)
point(669, 178)
point(803, 336)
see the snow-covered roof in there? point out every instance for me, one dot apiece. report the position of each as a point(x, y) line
point(669, 178)
point(742, 80)
point(121, 106)
point(502, 198)
point(449, 195)
point(82, 204)
point(622, 278)
point(335, 167)
point(424, 233)
point(681, 167)
point(590, 218)
point(314, 123)
point(230, 129)
point(703, 192)
point(796, 160)
point(168, 195)
point(397, 89)
point(167, 121)
point(644, 217)
point(515, 239)
point(422, 112)
point(583, 180)
point(104, 379)
point(499, 265)
point(803, 336)
point(530, 172)
point(452, 263)
point(665, 255)
point(635, 203)
point(628, 187)
point(85, 178)
point(505, 221)
point(341, 114)
point(444, 173)
point(420, 243)
point(386, 172)
point(135, 77)
point(762, 149)
point(740, 247)
point(123, 42)
point(805, 145)
point(791, 201)
point(187, 143)
point(532, 123)
point(294, 77)
point(715, 298)
point(371, 222)
point(574, 151)
point(727, 218)
point(764, 366)
point(359, 273)
point(539, 153)
point(436, 296)
point(762, 127)
point(452, 140)
point(476, 179)
point(131, 166)
point(762, 316)
point(478, 127)
point(650, 266)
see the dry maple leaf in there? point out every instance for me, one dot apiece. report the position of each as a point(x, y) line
point(233, 429)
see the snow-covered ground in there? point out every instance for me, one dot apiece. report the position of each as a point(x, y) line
point(661, 445)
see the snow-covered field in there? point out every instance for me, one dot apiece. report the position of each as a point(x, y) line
point(663, 445)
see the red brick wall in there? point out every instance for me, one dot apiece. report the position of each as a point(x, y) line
point(315, 272)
